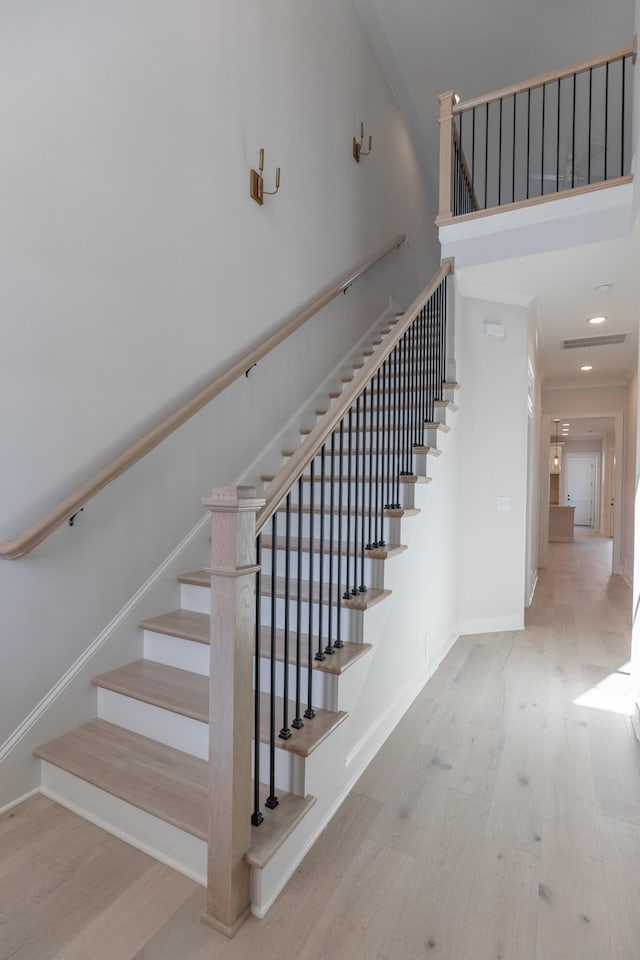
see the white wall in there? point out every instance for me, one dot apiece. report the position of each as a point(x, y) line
point(493, 462)
point(135, 264)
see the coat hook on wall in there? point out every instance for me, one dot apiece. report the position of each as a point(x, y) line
point(258, 192)
point(358, 150)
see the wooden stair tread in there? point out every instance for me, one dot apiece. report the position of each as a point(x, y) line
point(267, 839)
point(362, 601)
point(374, 553)
point(179, 691)
point(445, 405)
point(165, 782)
point(186, 624)
point(336, 663)
point(436, 425)
point(305, 740)
point(161, 693)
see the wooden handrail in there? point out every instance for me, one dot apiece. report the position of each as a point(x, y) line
point(612, 57)
point(22, 545)
point(295, 466)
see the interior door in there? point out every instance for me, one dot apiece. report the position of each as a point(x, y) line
point(580, 490)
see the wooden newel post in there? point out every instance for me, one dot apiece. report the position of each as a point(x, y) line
point(447, 101)
point(233, 568)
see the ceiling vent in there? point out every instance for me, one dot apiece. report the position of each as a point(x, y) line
point(604, 341)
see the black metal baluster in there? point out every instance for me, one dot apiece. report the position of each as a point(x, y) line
point(309, 713)
point(513, 153)
point(590, 112)
point(338, 642)
point(272, 801)
point(386, 421)
point(397, 425)
point(320, 652)
point(528, 139)
point(486, 154)
point(377, 492)
point(297, 723)
point(373, 500)
point(366, 487)
point(356, 492)
point(256, 816)
point(544, 93)
point(500, 154)
point(473, 155)
point(558, 142)
point(347, 479)
point(329, 647)
point(606, 118)
point(624, 64)
point(285, 732)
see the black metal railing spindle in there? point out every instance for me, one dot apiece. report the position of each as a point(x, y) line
point(298, 722)
point(272, 801)
point(309, 713)
point(356, 495)
point(338, 642)
point(332, 545)
point(320, 655)
point(285, 732)
point(257, 816)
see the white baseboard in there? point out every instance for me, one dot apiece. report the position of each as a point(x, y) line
point(19, 800)
point(492, 624)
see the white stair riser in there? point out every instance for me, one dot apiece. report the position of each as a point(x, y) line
point(304, 620)
point(168, 844)
point(176, 652)
point(171, 652)
point(189, 735)
point(307, 526)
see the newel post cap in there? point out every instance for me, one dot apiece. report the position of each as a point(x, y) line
point(233, 499)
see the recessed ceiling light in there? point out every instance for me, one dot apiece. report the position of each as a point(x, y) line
point(603, 287)
point(595, 320)
point(586, 367)
point(566, 424)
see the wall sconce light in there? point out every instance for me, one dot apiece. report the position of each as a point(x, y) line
point(257, 190)
point(357, 145)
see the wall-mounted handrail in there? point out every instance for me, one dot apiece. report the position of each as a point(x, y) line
point(309, 448)
point(39, 531)
point(630, 50)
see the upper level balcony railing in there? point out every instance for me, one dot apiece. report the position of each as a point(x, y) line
point(563, 131)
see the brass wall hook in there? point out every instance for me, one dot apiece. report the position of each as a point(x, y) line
point(257, 190)
point(358, 150)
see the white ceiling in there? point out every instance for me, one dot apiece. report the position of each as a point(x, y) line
point(474, 47)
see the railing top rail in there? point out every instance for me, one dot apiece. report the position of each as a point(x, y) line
point(295, 466)
point(614, 55)
point(39, 531)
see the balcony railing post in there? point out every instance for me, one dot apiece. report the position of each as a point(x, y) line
point(447, 101)
point(233, 567)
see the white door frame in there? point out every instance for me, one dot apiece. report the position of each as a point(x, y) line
point(547, 421)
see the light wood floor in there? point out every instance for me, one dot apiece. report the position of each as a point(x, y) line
point(501, 821)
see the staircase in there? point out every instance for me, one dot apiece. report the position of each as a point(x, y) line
point(141, 770)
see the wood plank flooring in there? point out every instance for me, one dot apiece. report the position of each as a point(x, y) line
point(500, 821)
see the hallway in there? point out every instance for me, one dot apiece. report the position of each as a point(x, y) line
point(500, 821)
